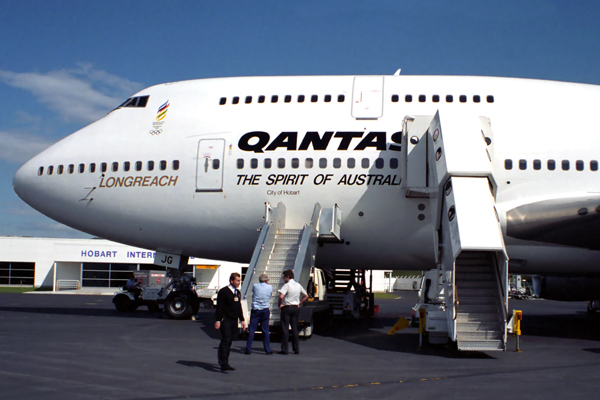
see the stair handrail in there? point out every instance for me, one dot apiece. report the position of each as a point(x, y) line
point(307, 248)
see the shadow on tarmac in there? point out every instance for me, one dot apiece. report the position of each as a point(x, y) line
point(206, 366)
point(90, 312)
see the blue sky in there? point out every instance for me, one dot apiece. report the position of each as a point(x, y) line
point(64, 64)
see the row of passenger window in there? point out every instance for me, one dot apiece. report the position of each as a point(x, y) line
point(114, 167)
point(286, 99)
point(341, 98)
point(551, 165)
point(436, 98)
point(309, 163)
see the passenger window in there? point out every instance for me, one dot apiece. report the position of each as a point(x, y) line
point(379, 163)
point(337, 163)
point(395, 98)
point(240, 163)
point(126, 166)
point(288, 98)
point(551, 165)
point(51, 170)
point(175, 165)
point(341, 98)
point(61, 169)
point(93, 167)
point(522, 165)
point(71, 168)
point(235, 100)
point(435, 98)
point(327, 98)
point(163, 165)
point(593, 165)
point(565, 165)
point(274, 98)
point(81, 168)
point(138, 165)
point(115, 166)
point(462, 98)
point(490, 99)
point(351, 163)
point(40, 171)
point(223, 101)
point(295, 163)
point(248, 99)
point(216, 163)
point(449, 98)
point(537, 165)
point(281, 163)
point(422, 98)
point(408, 98)
point(365, 163)
point(508, 164)
point(322, 163)
point(476, 98)
point(261, 99)
point(308, 163)
point(254, 163)
point(300, 98)
point(394, 163)
point(150, 165)
point(314, 98)
point(103, 167)
point(579, 165)
point(268, 163)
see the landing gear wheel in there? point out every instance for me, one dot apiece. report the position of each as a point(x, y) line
point(179, 305)
point(153, 307)
point(124, 304)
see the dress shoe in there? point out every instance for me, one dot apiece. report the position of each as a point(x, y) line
point(247, 352)
point(227, 368)
point(269, 353)
point(296, 351)
point(282, 352)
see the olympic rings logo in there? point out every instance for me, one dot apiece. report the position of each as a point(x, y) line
point(156, 132)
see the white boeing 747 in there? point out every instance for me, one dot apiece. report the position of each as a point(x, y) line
point(186, 169)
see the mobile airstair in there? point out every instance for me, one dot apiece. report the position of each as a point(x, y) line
point(469, 246)
point(280, 248)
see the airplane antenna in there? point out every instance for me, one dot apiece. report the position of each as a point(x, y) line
point(397, 73)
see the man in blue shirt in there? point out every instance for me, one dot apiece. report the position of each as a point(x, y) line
point(261, 295)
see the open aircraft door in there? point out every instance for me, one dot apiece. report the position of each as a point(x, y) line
point(209, 167)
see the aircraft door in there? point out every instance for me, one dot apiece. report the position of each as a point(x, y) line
point(367, 97)
point(209, 167)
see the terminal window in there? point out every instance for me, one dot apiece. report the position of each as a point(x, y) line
point(17, 273)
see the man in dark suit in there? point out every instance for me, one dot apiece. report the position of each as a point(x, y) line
point(229, 310)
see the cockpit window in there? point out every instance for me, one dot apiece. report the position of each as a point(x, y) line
point(137, 102)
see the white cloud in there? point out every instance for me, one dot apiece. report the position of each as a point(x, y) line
point(20, 147)
point(81, 94)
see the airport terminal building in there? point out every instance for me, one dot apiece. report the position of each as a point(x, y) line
point(61, 264)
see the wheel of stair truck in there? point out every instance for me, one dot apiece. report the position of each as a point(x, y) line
point(123, 303)
point(179, 305)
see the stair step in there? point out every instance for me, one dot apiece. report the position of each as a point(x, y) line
point(479, 292)
point(479, 309)
point(477, 317)
point(289, 231)
point(474, 269)
point(475, 285)
point(479, 335)
point(476, 301)
point(462, 276)
point(481, 345)
point(476, 326)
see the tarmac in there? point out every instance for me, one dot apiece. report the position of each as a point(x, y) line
point(57, 346)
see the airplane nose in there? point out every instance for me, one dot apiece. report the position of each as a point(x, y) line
point(23, 179)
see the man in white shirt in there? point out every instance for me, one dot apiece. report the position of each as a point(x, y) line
point(291, 296)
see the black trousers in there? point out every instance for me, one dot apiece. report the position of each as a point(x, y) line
point(229, 330)
point(289, 317)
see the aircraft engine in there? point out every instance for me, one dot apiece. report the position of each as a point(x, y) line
point(564, 288)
